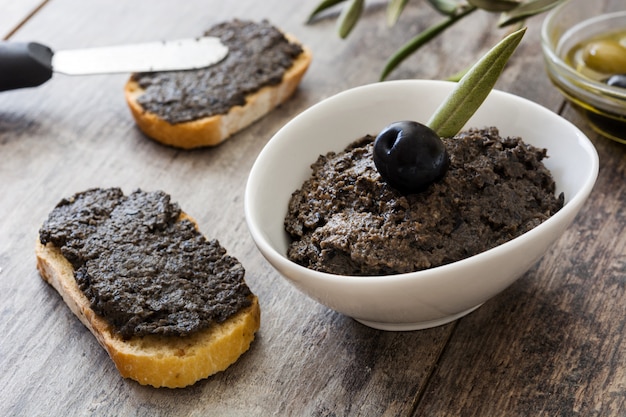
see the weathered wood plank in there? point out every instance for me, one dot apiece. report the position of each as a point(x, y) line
point(15, 13)
point(553, 341)
point(75, 132)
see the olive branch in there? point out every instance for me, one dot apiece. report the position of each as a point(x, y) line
point(512, 12)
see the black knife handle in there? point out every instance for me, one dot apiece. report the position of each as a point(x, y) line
point(24, 65)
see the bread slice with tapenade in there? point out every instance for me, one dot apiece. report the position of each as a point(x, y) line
point(197, 108)
point(167, 337)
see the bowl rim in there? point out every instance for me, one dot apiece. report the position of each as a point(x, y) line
point(552, 56)
point(269, 251)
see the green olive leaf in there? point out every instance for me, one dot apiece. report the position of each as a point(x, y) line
point(446, 7)
point(495, 5)
point(473, 88)
point(325, 4)
point(525, 10)
point(349, 17)
point(394, 9)
point(420, 40)
point(457, 76)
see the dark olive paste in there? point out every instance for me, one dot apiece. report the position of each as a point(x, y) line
point(346, 220)
point(258, 56)
point(142, 268)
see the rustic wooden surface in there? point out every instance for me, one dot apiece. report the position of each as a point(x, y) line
point(551, 344)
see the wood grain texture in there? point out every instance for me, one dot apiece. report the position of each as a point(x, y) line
point(551, 344)
point(16, 13)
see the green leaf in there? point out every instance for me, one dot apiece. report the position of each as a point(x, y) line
point(446, 7)
point(420, 40)
point(325, 4)
point(349, 17)
point(526, 10)
point(394, 9)
point(457, 77)
point(472, 90)
point(495, 5)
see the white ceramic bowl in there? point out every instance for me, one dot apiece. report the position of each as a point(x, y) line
point(431, 297)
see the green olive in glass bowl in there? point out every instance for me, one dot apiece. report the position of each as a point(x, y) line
point(585, 57)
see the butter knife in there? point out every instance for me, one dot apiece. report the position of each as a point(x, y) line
point(30, 64)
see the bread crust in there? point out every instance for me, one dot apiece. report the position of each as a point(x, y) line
point(213, 130)
point(159, 361)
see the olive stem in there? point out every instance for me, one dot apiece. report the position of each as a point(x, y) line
point(473, 88)
point(422, 39)
point(526, 10)
point(326, 4)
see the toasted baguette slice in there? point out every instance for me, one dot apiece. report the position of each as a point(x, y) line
point(211, 131)
point(160, 361)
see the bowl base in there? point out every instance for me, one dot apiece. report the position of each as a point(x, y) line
point(421, 325)
point(612, 127)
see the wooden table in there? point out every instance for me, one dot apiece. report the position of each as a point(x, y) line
point(552, 344)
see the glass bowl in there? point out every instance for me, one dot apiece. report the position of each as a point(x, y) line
point(564, 28)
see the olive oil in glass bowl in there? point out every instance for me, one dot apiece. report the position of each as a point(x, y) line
point(583, 52)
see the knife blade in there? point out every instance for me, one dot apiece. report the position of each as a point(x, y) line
point(30, 64)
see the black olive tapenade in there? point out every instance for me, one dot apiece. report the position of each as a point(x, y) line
point(346, 220)
point(142, 268)
point(258, 55)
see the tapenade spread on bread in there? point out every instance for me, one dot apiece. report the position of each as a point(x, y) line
point(194, 108)
point(170, 306)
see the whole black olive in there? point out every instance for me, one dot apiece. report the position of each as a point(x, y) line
point(618, 80)
point(410, 156)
